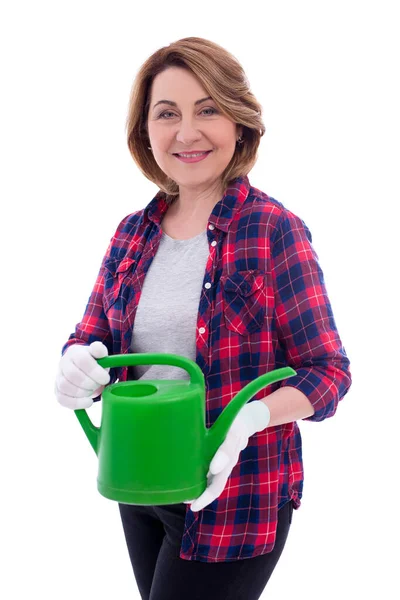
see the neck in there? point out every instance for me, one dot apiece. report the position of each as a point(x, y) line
point(191, 207)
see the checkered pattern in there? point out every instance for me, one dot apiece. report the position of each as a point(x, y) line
point(267, 308)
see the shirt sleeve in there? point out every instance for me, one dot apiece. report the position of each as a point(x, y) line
point(305, 324)
point(94, 325)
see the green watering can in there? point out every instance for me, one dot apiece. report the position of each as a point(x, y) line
point(152, 444)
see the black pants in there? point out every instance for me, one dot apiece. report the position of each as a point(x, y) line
point(153, 535)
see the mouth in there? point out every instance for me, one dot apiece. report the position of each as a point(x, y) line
point(192, 156)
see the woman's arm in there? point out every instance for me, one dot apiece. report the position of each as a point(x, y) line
point(94, 325)
point(305, 329)
point(287, 404)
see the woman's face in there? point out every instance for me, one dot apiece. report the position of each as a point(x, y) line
point(186, 126)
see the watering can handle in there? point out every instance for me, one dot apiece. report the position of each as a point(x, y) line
point(156, 358)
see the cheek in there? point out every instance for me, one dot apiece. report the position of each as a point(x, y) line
point(157, 134)
point(225, 141)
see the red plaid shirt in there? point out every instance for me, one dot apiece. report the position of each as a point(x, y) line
point(267, 308)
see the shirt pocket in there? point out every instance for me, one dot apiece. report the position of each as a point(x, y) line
point(244, 301)
point(115, 279)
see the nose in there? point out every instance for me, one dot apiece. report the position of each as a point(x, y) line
point(187, 132)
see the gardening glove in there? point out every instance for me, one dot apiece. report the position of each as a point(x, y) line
point(253, 417)
point(80, 378)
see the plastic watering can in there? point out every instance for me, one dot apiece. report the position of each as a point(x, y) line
point(153, 445)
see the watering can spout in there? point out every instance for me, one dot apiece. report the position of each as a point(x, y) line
point(217, 433)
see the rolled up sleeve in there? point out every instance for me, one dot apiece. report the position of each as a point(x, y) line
point(305, 323)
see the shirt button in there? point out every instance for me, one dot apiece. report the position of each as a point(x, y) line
point(201, 330)
point(214, 243)
point(211, 227)
point(207, 285)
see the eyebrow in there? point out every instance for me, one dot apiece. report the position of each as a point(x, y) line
point(175, 104)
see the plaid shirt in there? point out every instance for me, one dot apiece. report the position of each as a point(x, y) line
point(267, 308)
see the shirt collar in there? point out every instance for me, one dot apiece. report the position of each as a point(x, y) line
point(223, 212)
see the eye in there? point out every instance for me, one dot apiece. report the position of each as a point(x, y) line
point(168, 112)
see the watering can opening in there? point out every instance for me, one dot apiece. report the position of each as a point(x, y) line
point(134, 390)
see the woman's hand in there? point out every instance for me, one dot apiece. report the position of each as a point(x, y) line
point(253, 417)
point(80, 378)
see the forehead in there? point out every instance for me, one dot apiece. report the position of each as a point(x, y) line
point(176, 84)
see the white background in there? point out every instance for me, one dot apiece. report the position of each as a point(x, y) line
point(327, 76)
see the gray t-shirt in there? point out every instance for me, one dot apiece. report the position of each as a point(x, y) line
point(166, 316)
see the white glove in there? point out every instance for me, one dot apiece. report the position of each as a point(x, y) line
point(253, 417)
point(80, 378)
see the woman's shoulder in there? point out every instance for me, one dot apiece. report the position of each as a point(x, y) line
point(261, 202)
point(125, 240)
point(128, 228)
point(270, 211)
point(130, 222)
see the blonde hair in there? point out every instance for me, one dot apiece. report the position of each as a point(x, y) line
point(225, 81)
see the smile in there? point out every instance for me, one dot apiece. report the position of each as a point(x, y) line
point(192, 158)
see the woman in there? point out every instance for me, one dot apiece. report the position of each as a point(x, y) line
point(215, 270)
